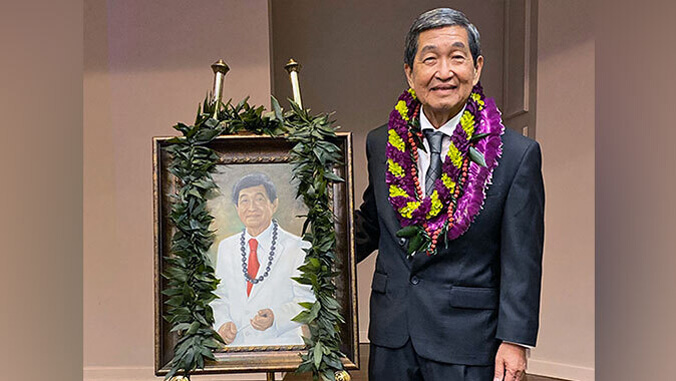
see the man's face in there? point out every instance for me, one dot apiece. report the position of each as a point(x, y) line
point(254, 208)
point(443, 72)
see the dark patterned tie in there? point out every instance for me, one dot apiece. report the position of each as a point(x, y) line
point(253, 265)
point(434, 171)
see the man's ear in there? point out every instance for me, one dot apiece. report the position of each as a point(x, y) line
point(409, 75)
point(275, 204)
point(477, 69)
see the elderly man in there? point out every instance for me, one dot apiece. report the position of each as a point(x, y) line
point(455, 207)
point(257, 297)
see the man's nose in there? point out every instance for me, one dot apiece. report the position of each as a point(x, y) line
point(444, 70)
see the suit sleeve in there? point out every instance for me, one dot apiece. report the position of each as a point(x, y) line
point(300, 293)
point(367, 231)
point(221, 305)
point(522, 238)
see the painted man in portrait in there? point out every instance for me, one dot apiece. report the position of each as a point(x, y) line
point(257, 297)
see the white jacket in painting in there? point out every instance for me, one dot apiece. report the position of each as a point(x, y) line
point(277, 291)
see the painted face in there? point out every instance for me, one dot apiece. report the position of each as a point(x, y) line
point(443, 73)
point(255, 209)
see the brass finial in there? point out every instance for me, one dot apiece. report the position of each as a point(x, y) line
point(293, 67)
point(342, 376)
point(220, 69)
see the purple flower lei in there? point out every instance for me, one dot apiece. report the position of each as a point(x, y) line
point(472, 195)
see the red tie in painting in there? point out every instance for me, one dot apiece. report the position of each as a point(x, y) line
point(253, 265)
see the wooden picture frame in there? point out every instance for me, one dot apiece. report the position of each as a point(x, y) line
point(257, 152)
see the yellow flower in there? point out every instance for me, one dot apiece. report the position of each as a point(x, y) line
point(396, 191)
point(467, 123)
point(408, 210)
point(403, 110)
point(477, 98)
point(395, 168)
point(396, 141)
point(412, 92)
point(448, 182)
point(437, 206)
point(455, 155)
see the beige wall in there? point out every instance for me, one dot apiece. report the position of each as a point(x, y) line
point(146, 68)
point(565, 129)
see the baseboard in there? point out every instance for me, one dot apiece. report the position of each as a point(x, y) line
point(99, 373)
point(558, 370)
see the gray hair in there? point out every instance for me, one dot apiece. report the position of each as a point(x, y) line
point(252, 180)
point(439, 18)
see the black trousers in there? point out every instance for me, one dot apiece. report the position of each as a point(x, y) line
point(404, 364)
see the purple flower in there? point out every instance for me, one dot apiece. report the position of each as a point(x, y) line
point(479, 178)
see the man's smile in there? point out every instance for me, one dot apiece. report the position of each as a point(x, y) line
point(443, 89)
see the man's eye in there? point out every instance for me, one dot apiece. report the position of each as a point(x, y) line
point(458, 57)
point(429, 60)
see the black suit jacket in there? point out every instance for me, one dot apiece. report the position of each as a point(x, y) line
point(457, 306)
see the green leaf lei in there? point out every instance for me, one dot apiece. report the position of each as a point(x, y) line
point(190, 274)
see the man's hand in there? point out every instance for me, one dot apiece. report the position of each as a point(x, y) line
point(228, 332)
point(263, 320)
point(510, 362)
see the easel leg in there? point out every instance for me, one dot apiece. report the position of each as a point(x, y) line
point(271, 376)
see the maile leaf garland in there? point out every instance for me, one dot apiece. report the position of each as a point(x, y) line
point(190, 273)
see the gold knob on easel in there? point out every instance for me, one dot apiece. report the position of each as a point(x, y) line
point(220, 69)
point(293, 67)
point(342, 376)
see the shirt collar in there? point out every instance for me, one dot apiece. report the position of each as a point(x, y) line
point(447, 128)
point(263, 238)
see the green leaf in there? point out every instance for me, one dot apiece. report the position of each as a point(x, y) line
point(211, 122)
point(332, 176)
point(193, 328)
point(277, 109)
point(180, 327)
point(478, 137)
point(321, 156)
point(207, 135)
point(476, 156)
point(317, 354)
point(333, 362)
point(408, 231)
point(328, 375)
point(415, 244)
point(302, 317)
point(314, 312)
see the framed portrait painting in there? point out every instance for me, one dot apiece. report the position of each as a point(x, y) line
point(258, 224)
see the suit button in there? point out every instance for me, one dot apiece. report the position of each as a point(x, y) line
point(415, 280)
point(402, 241)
